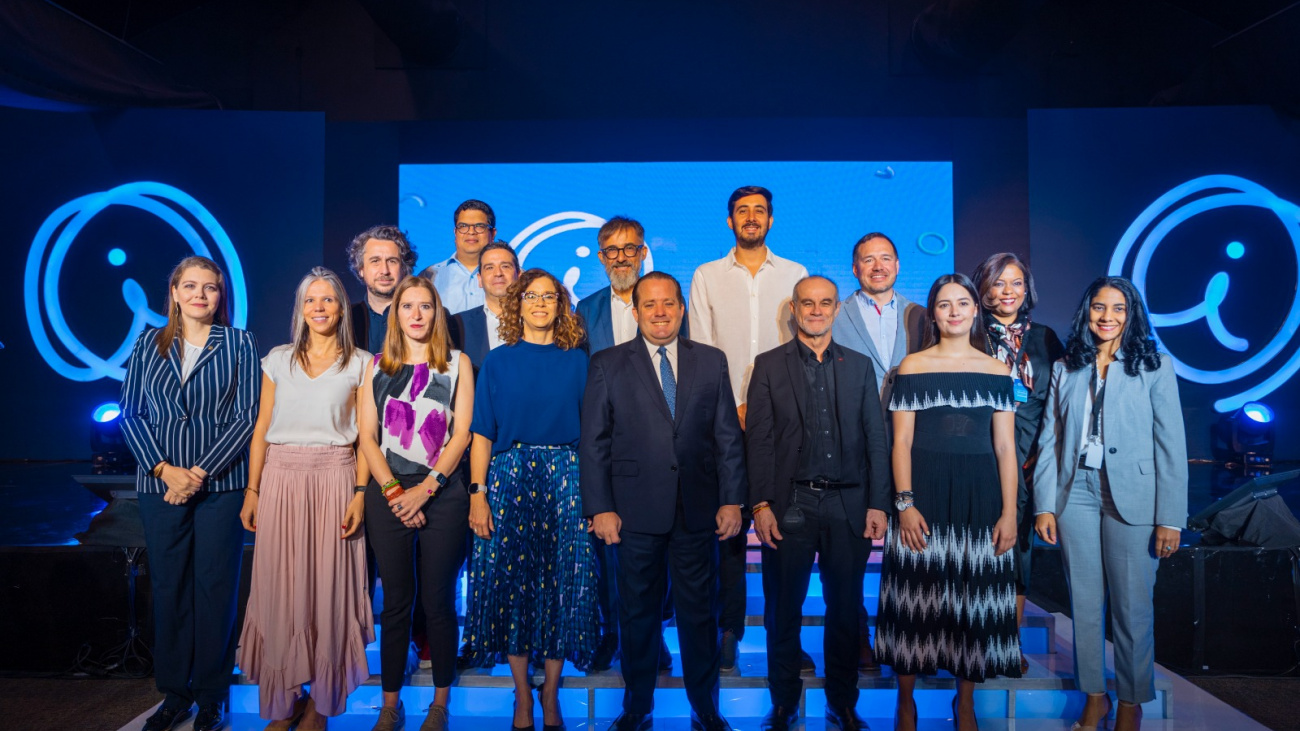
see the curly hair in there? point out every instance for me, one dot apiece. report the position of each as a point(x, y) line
point(1137, 344)
point(568, 329)
point(357, 248)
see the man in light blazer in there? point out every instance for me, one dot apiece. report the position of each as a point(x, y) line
point(815, 445)
point(876, 320)
point(885, 326)
point(663, 479)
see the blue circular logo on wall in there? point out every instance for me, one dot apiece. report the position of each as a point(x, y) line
point(41, 278)
point(1251, 372)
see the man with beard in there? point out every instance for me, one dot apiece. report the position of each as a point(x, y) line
point(818, 464)
point(740, 304)
point(608, 317)
point(474, 331)
point(380, 256)
point(885, 326)
point(474, 226)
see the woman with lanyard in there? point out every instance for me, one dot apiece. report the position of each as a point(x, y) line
point(1112, 479)
point(413, 415)
point(533, 587)
point(1007, 295)
point(189, 403)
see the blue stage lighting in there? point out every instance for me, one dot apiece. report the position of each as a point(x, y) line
point(105, 413)
point(1257, 412)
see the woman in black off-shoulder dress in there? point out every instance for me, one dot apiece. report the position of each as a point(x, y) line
point(947, 590)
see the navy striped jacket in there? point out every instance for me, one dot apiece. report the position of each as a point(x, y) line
point(206, 422)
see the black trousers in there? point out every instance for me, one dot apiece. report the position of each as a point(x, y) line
point(841, 554)
point(441, 546)
point(732, 589)
point(642, 562)
point(195, 553)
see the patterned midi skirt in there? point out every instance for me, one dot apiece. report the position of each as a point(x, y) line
point(532, 583)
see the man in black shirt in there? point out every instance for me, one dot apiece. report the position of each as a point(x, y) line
point(819, 485)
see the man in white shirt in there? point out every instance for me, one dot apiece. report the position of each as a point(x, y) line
point(741, 305)
point(457, 278)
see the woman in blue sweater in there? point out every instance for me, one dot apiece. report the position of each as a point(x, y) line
point(533, 572)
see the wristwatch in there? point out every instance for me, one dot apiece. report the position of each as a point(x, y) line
point(476, 488)
point(901, 504)
point(440, 478)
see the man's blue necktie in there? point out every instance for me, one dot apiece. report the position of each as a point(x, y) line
point(670, 383)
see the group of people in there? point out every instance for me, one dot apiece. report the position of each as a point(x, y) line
point(597, 469)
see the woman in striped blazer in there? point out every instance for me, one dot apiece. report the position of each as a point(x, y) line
point(189, 404)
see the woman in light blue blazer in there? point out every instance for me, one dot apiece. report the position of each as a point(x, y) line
point(1112, 478)
point(189, 404)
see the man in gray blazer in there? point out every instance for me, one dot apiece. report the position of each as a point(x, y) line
point(875, 320)
point(885, 326)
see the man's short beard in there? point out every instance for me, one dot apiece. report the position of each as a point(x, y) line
point(746, 243)
point(812, 334)
point(382, 295)
point(877, 290)
point(622, 282)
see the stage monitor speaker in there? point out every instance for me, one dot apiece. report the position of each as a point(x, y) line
point(1251, 515)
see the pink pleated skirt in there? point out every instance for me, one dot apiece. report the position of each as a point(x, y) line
point(309, 618)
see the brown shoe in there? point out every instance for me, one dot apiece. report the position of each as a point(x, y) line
point(312, 720)
point(299, 708)
point(439, 719)
point(391, 718)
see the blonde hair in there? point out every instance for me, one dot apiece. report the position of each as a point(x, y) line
point(394, 355)
point(168, 333)
point(300, 334)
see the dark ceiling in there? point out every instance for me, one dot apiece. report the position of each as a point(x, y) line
point(513, 59)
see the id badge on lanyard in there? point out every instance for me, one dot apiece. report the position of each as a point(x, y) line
point(1095, 452)
point(1019, 390)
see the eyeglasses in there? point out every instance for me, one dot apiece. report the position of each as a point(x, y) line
point(478, 228)
point(629, 250)
point(546, 298)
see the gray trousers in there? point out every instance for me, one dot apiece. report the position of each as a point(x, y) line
point(1109, 563)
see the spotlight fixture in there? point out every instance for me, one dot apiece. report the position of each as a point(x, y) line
point(1252, 438)
point(109, 454)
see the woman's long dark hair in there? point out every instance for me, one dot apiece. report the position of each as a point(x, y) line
point(932, 327)
point(1137, 345)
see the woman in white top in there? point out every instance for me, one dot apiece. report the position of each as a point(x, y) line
point(308, 619)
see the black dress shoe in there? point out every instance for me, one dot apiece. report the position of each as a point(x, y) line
point(603, 658)
point(711, 722)
point(210, 718)
point(165, 719)
point(780, 718)
point(465, 659)
point(632, 722)
point(845, 719)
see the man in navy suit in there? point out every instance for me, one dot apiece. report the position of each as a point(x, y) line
point(474, 331)
point(663, 479)
point(885, 326)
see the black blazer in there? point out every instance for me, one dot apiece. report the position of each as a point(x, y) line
point(634, 458)
point(775, 431)
point(1044, 349)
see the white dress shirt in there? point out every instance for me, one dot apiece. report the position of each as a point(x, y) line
point(882, 324)
point(457, 285)
point(620, 317)
point(494, 337)
point(743, 314)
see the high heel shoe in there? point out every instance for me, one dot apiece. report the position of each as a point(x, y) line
point(530, 727)
point(1102, 723)
point(550, 726)
point(1137, 713)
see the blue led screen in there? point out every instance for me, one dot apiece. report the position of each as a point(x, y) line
point(550, 212)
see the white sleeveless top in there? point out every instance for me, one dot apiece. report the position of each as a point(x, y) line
point(313, 412)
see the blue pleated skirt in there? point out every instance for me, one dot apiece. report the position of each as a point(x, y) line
point(532, 583)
